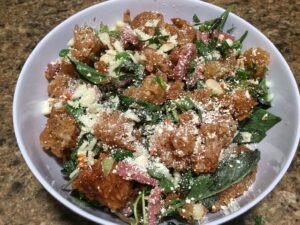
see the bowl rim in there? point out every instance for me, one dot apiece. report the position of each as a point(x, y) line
point(75, 208)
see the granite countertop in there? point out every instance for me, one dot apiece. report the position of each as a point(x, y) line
point(23, 23)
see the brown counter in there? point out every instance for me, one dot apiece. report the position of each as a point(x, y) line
point(23, 23)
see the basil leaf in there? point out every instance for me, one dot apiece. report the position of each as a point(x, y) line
point(164, 182)
point(68, 167)
point(88, 73)
point(257, 125)
point(127, 101)
point(196, 19)
point(210, 201)
point(200, 187)
point(63, 53)
point(233, 170)
point(229, 172)
point(186, 181)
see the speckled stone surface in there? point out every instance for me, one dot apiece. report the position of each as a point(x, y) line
point(23, 23)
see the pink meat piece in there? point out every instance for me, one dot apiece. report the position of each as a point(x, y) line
point(222, 35)
point(154, 205)
point(130, 172)
point(187, 53)
point(198, 74)
point(128, 37)
point(203, 36)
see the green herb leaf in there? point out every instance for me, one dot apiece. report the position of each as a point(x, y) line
point(75, 112)
point(196, 19)
point(233, 170)
point(164, 182)
point(257, 125)
point(229, 172)
point(238, 44)
point(88, 73)
point(114, 33)
point(157, 39)
point(260, 91)
point(200, 187)
point(186, 181)
point(126, 102)
point(220, 22)
point(160, 81)
point(104, 29)
point(205, 50)
point(185, 104)
point(122, 55)
point(70, 165)
point(242, 74)
point(210, 201)
point(63, 53)
point(120, 154)
point(128, 69)
point(215, 24)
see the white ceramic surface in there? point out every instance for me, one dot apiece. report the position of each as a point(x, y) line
point(278, 148)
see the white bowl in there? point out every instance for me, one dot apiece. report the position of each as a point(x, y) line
point(277, 149)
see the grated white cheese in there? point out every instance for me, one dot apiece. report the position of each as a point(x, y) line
point(46, 106)
point(169, 45)
point(86, 95)
point(105, 39)
point(138, 58)
point(141, 35)
point(118, 46)
point(131, 115)
point(71, 42)
point(246, 137)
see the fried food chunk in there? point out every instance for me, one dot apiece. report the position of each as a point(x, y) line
point(206, 156)
point(141, 20)
point(239, 102)
point(201, 95)
point(86, 44)
point(102, 67)
point(175, 144)
point(220, 68)
point(58, 86)
point(150, 90)
point(186, 33)
point(256, 60)
point(111, 190)
point(114, 129)
point(156, 62)
point(214, 137)
point(175, 90)
point(60, 134)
